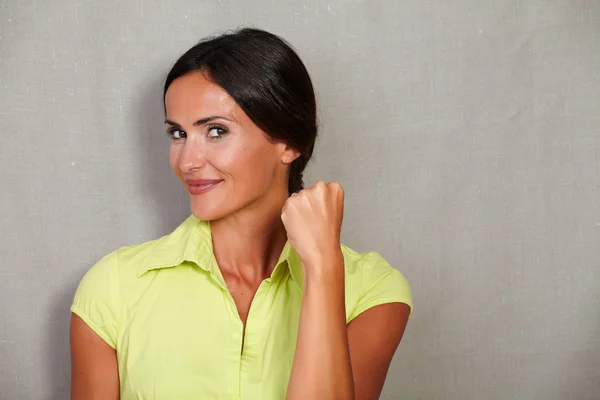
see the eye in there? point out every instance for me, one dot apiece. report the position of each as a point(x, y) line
point(216, 131)
point(176, 134)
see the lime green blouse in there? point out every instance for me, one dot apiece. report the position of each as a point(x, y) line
point(164, 306)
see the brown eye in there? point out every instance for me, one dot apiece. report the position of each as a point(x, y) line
point(176, 134)
point(216, 132)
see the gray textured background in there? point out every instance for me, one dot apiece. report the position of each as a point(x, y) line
point(465, 133)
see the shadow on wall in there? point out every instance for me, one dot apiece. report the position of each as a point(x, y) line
point(166, 201)
point(58, 355)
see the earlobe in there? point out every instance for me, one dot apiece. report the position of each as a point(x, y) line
point(289, 155)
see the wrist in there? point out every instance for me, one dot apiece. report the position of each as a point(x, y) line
point(324, 268)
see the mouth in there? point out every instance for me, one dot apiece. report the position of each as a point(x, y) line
point(200, 186)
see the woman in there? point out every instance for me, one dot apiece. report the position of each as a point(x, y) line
point(253, 296)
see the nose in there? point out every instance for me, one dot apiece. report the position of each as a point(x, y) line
point(192, 155)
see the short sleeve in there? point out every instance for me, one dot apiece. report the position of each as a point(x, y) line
point(381, 284)
point(96, 299)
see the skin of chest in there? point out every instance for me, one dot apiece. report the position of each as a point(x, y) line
point(242, 292)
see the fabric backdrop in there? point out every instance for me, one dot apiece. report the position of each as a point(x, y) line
point(466, 135)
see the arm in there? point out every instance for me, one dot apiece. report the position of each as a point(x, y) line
point(373, 337)
point(94, 370)
point(321, 367)
point(338, 361)
point(333, 360)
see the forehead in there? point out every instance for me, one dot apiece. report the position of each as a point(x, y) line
point(194, 96)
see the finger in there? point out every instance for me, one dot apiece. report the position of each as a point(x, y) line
point(319, 184)
point(334, 185)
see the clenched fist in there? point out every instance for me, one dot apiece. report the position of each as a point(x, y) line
point(313, 221)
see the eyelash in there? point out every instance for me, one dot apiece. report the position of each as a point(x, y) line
point(223, 132)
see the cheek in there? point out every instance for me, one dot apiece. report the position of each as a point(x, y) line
point(236, 161)
point(260, 165)
point(247, 164)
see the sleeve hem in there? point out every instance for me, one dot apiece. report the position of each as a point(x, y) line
point(378, 302)
point(103, 335)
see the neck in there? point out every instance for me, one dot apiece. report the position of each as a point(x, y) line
point(248, 243)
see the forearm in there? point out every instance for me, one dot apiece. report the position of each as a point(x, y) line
point(322, 368)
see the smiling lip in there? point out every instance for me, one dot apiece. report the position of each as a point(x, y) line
point(199, 186)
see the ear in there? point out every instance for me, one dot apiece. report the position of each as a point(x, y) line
point(289, 155)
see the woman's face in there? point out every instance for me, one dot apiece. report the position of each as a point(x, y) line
point(225, 162)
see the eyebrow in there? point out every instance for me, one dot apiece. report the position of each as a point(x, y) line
point(199, 122)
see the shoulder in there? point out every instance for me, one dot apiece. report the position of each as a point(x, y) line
point(357, 262)
point(107, 275)
point(366, 266)
point(97, 300)
point(132, 261)
point(124, 260)
point(370, 280)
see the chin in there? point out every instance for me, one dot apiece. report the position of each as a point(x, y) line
point(207, 209)
point(205, 212)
